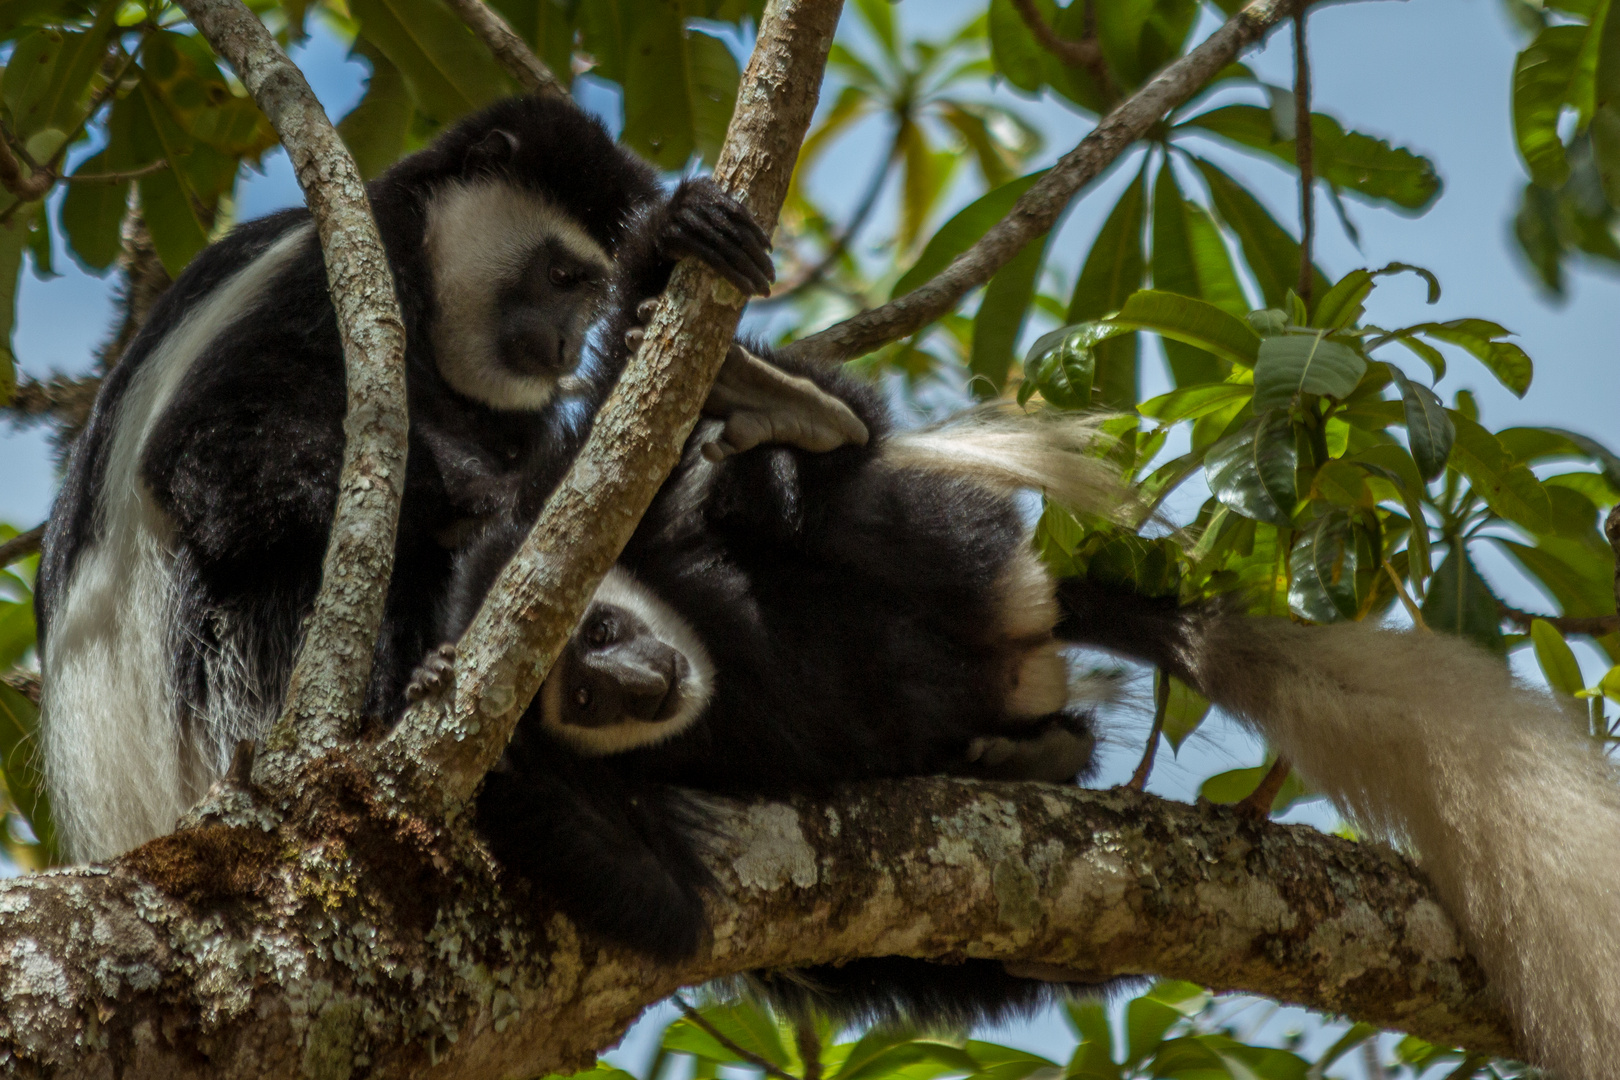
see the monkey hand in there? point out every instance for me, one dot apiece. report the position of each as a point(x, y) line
point(706, 223)
point(763, 404)
point(433, 674)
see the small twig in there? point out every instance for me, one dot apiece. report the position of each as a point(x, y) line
point(1038, 209)
point(809, 1042)
point(1139, 778)
point(21, 546)
point(511, 51)
point(1258, 803)
point(771, 1069)
point(1302, 155)
point(1414, 612)
point(115, 177)
point(27, 188)
point(814, 275)
point(1595, 625)
point(26, 683)
point(1084, 53)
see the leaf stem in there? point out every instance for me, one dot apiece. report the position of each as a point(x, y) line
point(1302, 155)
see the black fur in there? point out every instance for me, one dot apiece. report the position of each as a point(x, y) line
point(245, 460)
point(849, 610)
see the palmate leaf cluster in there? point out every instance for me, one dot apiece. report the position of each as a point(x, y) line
point(1172, 1031)
point(1305, 458)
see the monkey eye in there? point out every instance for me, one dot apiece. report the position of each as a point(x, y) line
point(582, 697)
point(559, 276)
point(599, 633)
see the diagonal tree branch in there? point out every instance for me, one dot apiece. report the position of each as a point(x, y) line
point(511, 51)
point(330, 676)
point(1038, 209)
point(636, 439)
point(212, 953)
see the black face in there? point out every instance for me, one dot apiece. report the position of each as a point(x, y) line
point(543, 318)
point(615, 669)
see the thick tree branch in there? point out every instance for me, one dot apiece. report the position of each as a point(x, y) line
point(362, 939)
point(330, 676)
point(1038, 209)
point(511, 51)
point(637, 436)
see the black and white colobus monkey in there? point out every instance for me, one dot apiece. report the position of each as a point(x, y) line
point(185, 545)
point(876, 611)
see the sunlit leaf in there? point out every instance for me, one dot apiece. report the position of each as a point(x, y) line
point(1290, 364)
point(1191, 402)
point(1236, 785)
point(1543, 76)
point(1556, 658)
point(1193, 321)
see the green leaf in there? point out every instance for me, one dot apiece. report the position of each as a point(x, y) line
point(1341, 308)
point(1461, 603)
point(1183, 713)
point(1112, 271)
point(1543, 79)
point(1429, 430)
point(1191, 402)
point(963, 231)
point(53, 70)
point(1556, 658)
point(1322, 585)
point(1252, 470)
point(377, 130)
point(448, 71)
point(1190, 258)
point(1236, 785)
point(1508, 488)
point(1291, 364)
point(1508, 362)
point(1000, 319)
point(1062, 365)
point(711, 92)
point(1013, 50)
point(1146, 1022)
point(92, 215)
point(1272, 255)
point(1367, 166)
point(19, 750)
point(1193, 321)
point(1604, 125)
point(747, 1026)
point(1579, 577)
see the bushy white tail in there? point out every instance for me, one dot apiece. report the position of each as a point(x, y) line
point(1513, 813)
point(1050, 452)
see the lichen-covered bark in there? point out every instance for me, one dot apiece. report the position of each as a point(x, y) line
point(636, 439)
point(333, 667)
point(344, 938)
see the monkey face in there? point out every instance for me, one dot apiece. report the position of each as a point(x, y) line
point(629, 676)
point(544, 315)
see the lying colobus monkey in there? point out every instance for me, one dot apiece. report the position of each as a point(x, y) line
point(785, 618)
point(185, 546)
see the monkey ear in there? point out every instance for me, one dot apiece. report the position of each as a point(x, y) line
point(491, 152)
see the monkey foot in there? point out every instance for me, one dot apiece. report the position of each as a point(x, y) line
point(433, 675)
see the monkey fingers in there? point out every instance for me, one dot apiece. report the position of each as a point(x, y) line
point(433, 674)
point(707, 223)
point(763, 404)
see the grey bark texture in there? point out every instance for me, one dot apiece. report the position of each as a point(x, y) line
point(349, 938)
point(330, 675)
point(636, 440)
point(1038, 209)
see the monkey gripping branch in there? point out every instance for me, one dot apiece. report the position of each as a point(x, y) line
point(333, 915)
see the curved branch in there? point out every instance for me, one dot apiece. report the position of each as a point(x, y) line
point(21, 546)
point(511, 51)
point(636, 438)
point(244, 953)
point(1038, 209)
point(1084, 53)
point(333, 667)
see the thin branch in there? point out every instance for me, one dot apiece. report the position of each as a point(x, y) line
point(115, 177)
point(25, 683)
point(1595, 625)
point(868, 202)
point(1084, 53)
point(1144, 768)
point(26, 185)
point(60, 399)
point(21, 546)
point(330, 676)
point(1303, 155)
point(770, 1068)
point(511, 51)
point(635, 441)
point(1257, 803)
point(1038, 209)
point(808, 1041)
